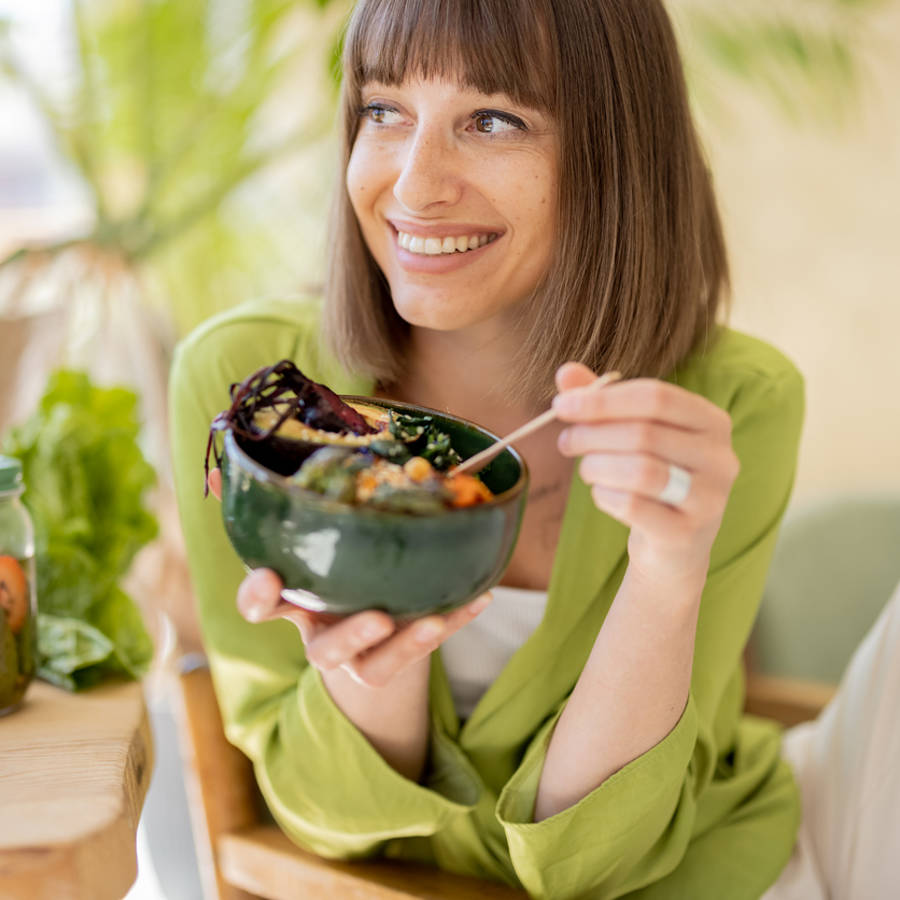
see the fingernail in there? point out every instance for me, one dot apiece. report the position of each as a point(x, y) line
point(480, 604)
point(565, 441)
point(255, 612)
point(429, 630)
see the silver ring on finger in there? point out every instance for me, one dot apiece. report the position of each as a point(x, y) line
point(677, 488)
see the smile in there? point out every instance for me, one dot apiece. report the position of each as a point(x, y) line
point(434, 246)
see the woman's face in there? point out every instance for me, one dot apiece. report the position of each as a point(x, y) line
point(455, 192)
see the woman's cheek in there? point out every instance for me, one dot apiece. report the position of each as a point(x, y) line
point(355, 181)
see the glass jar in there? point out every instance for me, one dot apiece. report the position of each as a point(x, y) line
point(18, 601)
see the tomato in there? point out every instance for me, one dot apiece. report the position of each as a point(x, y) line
point(13, 592)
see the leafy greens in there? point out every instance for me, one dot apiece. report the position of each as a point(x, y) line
point(422, 437)
point(85, 479)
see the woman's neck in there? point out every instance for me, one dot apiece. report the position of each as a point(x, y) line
point(465, 374)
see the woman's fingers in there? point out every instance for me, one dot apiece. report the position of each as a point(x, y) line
point(636, 473)
point(643, 399)
point(259, 600)
point(641, 443)
point(340, 643)
point(214, 481)
point(676, 445)
point(572, 375)
point(638, 512)
point(409, 645)
point(369, 645)
point(378, 666)
point(259, 595)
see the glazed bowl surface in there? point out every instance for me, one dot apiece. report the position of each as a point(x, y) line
point(341, 559)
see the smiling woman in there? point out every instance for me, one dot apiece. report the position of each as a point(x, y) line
point(523, 204)
point(433, 167)
point(568, 134)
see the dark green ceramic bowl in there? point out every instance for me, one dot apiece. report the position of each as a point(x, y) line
point(342, 559)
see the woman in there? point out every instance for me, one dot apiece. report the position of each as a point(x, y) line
point(524, 201)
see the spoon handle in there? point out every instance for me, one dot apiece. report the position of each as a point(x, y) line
point(480, 460)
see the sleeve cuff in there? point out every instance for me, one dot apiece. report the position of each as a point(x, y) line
point(599, 840)
point(332, 792)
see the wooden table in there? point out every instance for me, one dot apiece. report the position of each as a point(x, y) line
point(74, 769)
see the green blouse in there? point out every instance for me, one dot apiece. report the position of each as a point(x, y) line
point(709, 812)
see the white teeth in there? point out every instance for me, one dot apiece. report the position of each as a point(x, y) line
point(433, 246)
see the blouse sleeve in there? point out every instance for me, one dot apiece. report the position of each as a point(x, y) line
point(324, 783)
point(644, 820)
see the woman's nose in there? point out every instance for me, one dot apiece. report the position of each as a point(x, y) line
point(429, 173)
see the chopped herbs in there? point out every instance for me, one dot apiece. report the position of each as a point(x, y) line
point(423, 438)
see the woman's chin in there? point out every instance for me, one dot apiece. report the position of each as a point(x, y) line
point(438, 315)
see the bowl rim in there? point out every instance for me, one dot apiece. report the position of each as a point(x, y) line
point(265, 475)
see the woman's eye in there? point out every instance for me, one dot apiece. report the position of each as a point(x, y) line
point(493, 122)
point(380, 114)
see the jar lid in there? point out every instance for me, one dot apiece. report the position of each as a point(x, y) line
point(10, 474)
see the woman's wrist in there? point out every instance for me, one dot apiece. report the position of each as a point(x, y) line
point(393, 718)
point(633, 688)
point(666, 568)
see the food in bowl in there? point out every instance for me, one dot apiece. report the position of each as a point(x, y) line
point(354, 515)
point(353, 452)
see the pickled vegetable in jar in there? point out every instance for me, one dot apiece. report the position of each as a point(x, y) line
point(18, 602)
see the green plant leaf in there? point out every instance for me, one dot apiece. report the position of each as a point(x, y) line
point(803, 57)
point(67, 645)
point(85, 482)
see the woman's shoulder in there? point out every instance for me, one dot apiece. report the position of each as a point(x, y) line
point(272, 320)
point(733, 365)
point(233, 344)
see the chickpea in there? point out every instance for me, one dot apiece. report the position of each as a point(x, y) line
point(418, 469)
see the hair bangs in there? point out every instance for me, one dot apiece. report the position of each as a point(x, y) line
point(487, 45)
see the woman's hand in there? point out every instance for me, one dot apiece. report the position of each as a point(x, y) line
point(636, 682)
point(369, 646)
point(629, 436)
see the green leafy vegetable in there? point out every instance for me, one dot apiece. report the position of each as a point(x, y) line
point(85, 482)
point(393, 451)
point(423, 438)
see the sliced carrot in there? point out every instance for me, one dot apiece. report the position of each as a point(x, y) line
point(13, 592)
point(366, 482)
point(468, 490)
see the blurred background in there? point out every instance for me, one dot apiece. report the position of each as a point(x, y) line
point(185, 149)
point(161, 160)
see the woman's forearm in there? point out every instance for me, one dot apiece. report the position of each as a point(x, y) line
point(394, 718)
point(631, 692)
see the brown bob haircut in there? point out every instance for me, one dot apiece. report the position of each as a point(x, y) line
point(640, 266)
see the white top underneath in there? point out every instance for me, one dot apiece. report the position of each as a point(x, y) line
point(475, 656)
